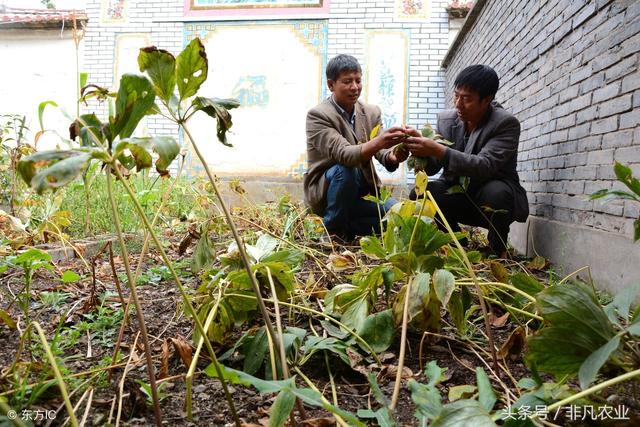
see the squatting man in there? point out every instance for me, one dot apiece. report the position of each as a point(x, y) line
point(485, 144)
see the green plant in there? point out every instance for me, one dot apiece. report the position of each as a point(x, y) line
point(580, 336)
point(13, 132)
point(459, 412)
point(30, 261)
point(420, 163)
point(625, 176)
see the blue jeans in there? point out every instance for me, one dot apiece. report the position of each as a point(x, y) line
point(347, 213)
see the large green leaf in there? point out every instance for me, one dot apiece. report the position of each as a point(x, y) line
point(204, 255)
point(444, 283)
point(308, 396)
point(463, 413)
point(372, 247)
point(135, 97)
point(219, 110)
point(355, 313)
point(576, 325)
point(486, 395)
point(191, 68)
point(313, 344)
point(54, 169)
point(419, 298)
point(161, 67)
point(527, 283)
point(90, 130)
point(624, 175)
point(427, 400)
point(292, 257)
point(590, 367)
point(140, 148)
point(378, 330)
point(256, 350)
point(281, 408)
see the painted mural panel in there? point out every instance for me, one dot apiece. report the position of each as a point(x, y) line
point(255, 7)
point(412, 10)
point(386, 80)
point(252, 3)
point(277, 79)
point(114, 11)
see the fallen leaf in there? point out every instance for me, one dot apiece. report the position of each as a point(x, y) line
point(390, 371)
point(6, 319)
point(319, 422)
point(499, 271)
point(498, 322)
point(537, 263)
point(80, 249)
point(343, 261)
point(184, 349)
point(514, 344)
point(164, 360)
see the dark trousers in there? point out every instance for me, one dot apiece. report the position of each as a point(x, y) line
point(347, 213)
point(471, 208)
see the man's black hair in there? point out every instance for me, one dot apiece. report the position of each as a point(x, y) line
point(479, 78)
point(340, 64)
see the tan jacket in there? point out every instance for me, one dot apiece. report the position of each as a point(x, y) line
point(331, 141)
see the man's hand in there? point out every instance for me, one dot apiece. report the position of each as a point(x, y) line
point(390, 137)
point(425, 147)
point(387, 139)
point(398, 155)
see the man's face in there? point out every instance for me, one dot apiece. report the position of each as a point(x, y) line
point(469, 106)
point(346, 89)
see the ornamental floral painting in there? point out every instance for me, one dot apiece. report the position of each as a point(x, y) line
point(412, 10)
point(386, 82)
point(114, 11)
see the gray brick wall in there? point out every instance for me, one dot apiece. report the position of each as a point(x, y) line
point(569, 71)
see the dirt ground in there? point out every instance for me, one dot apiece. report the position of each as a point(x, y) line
point(166, 320)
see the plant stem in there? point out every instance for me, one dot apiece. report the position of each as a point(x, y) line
point(472, 273)
point(327, 317)
point(592, 390)
point(283, 355)
point(134, 296)
point(338, 418)
point(405, 316)
point(239, 242)
point(188, 306)
point(501, 285)
point(56, 372)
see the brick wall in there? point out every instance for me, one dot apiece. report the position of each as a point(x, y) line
point(569, 72)
point(144, 16)
point(348, 20)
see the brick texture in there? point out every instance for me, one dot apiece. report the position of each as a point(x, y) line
point(569, 72)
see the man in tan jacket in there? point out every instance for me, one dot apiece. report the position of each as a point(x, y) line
point(339, 154)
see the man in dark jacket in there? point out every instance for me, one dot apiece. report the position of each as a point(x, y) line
point(485, 149)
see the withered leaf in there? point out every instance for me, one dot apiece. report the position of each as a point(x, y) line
point(184, 349)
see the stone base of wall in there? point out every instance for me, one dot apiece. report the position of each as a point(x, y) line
point(614, 259)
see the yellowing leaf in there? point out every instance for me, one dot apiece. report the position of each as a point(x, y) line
point(428, 208)
point(421, 183)
point(461, 391)
point(374, 131)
